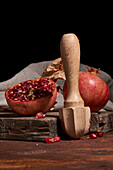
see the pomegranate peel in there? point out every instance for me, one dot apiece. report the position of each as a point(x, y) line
point(32, 96)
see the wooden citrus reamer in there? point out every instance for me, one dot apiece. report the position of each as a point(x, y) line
point(75, 118)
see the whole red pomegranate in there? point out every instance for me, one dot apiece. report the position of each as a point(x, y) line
point(32, 96)
point(94, 91)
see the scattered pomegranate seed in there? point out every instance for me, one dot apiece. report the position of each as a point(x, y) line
point(93, 136)
point(40, 115)
point(50, 140)
point(100, 134)
point(57, 138)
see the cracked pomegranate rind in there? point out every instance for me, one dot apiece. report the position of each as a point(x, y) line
point(32, 96)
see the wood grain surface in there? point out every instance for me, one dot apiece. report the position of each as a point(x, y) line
point(67, 154)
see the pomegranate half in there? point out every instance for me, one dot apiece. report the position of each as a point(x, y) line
point(32, 96)
point(94, 91)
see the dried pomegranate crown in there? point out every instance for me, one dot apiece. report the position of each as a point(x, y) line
point(93, 70)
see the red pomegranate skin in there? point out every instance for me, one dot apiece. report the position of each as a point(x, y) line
point(31, 107)
point(94, 91)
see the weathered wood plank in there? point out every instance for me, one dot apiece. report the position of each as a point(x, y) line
point(101, 121)
point(27, 128)
point(16, 127)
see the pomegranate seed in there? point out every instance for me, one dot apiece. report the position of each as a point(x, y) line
point(20, 84)
point(29, 82)
point(50, 140)
point(100, 134)
point(57, 138)
point(48, 87)
point(93, 136)
point(31, 90)
point(40, 115)
point(46, 80)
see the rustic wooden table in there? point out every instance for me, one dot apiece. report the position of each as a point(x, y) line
point(69, 154)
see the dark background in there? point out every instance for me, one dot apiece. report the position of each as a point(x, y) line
point(32, 37)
